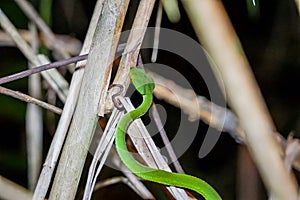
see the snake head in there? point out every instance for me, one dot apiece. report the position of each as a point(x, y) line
point(142, 81)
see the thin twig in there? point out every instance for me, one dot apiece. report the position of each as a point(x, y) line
point(166, 140)
point(42, 68)
point(29, 99)
point(157, 32)
point(111, 181)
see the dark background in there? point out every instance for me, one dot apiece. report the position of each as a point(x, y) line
point(270, 40)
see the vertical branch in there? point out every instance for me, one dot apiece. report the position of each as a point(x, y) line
point(34, 123)
point(157, 32)
point(243, 94)
point(134, 42)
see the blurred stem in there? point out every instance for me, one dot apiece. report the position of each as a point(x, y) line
point(45, 14)
point(172, 10)
point(220, 40)
point(34, 121)
point(45, 11)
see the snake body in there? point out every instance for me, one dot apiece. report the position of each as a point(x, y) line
point(144, 84)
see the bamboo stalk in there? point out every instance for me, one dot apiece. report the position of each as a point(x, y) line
point(65, 119)
point(34, 122)
point(220, 40)
point(93, 88)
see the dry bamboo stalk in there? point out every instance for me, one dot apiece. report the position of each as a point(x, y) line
point(93, 88)
point(219, 38)
point(130, 57)
point(34, 122)
point(65, 119)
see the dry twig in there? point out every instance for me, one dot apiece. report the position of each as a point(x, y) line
point(186, 99)
point(29, 99)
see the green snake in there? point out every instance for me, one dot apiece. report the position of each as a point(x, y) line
point(144, 84)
